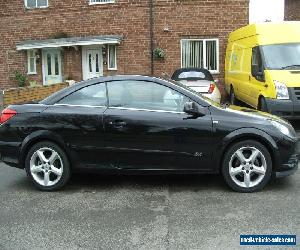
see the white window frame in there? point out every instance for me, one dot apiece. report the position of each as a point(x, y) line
point(108, 57)
point(217, 71)
point(28, 62)
point(93, 2)
point(36, 7)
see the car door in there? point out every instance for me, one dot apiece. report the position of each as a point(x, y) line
point(77, 118)
point(146, 128)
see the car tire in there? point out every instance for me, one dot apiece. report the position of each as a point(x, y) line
point(247, 166)
point(263, 104)
point(233, 100)
point(47, 166)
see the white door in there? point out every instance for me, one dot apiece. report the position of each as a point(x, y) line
point(93, 63)
point(52, 66)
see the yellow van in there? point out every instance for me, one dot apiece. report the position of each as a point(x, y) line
point(262, 67)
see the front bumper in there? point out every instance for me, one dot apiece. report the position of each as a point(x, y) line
point(283, 108)
point(289, 109)
point(288, 168)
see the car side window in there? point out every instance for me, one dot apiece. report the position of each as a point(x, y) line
point(93, 95)
point(144, 95)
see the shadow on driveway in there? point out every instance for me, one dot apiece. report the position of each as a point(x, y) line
point(175, 183)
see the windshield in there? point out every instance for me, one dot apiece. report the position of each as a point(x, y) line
point(282, 56)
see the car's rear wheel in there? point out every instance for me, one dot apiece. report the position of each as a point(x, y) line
point(247, 166)
point(47, 166)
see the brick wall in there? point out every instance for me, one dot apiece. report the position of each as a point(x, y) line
point(130, 18)
point(27, 94)
point(196, 19)
point(292, 10)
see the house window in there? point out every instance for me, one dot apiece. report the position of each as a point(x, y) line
point(200, 53)
point(30, 4)
point(101, 1)
point(112, 57)
point(31, 62)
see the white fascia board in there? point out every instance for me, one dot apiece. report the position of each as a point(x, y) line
point(57, 45)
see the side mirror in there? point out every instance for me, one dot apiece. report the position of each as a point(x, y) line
point(257, 73)
point(192, 108)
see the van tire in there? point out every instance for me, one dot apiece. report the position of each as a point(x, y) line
point(232, 97)
point(263, 104)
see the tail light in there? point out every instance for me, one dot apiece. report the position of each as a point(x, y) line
point(211, 88)
point(7, 114)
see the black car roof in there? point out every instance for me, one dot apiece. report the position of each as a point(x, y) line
point(66, 91)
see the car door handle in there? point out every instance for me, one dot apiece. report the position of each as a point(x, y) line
point(118, 124)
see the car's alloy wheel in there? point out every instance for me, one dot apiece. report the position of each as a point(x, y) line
point(48, 166)
point(247, 166)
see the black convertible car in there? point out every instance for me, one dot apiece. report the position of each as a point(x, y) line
point(143, 124)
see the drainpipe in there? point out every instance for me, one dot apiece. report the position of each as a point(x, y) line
point(151, 33)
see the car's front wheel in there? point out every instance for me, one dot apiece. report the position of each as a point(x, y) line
point(247, 166)
point(47, 166)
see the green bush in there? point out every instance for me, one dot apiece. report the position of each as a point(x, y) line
point(159, 53)
point(20, 78)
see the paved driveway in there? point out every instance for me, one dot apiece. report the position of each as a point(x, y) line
point(142, 212)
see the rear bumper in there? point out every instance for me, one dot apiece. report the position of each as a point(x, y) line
point(288, 168)
point(9, 153)
point(215, 96)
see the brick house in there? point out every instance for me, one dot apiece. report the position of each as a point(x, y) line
point(53, 40)
point(292, 10)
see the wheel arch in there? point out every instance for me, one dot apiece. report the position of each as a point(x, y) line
point(250, 134)
point(38, 136)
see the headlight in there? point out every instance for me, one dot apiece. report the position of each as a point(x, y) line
point(282, 91)
point(284, 129)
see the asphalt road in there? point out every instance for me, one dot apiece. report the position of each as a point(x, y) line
point(142, 212)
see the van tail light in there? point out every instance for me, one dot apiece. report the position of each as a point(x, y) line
point(211, 88)
point(7, 114)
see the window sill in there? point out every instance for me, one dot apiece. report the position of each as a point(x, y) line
point(102, 3)
point(112, 69)
point(34, 8)
point(31, 73)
